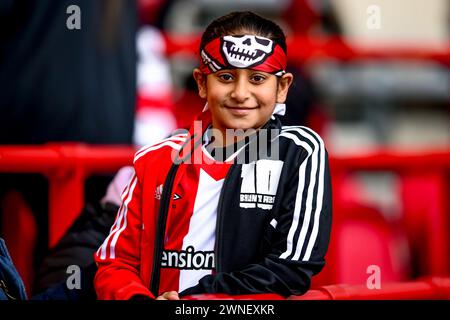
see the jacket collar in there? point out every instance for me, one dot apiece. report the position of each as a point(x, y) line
point(202, 122)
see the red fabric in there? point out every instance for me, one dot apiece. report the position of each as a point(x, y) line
point(150, 10)
point(187, 108)
point(122, 270)
point(125, 260)
point(308, 20)
point(186, 186)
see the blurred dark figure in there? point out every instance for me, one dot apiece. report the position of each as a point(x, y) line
point(303, 104)
point(301, 99)
point(58, 84)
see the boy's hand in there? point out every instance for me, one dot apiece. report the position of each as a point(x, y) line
point(171, 295)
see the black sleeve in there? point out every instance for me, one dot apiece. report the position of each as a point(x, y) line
point(78, 245)
point(299, 240)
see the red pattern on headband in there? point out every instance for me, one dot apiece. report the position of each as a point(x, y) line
point(244, 52)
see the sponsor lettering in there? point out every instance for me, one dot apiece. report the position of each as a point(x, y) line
point(188, 259)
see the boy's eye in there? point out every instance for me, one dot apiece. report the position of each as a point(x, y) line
point(225, 77)
point(257, 78)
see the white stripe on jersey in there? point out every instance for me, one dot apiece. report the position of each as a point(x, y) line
point(112, 252)
point(118, 227)
point(167, 142)
point(178, 137)
point(102, 249)
point(202, 226)
point(317, 152)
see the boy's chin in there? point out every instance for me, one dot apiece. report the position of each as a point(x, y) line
point(244, 125)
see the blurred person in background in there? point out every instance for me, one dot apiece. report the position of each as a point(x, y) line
point(64, 84)
point(154, 119)
point(61, 84)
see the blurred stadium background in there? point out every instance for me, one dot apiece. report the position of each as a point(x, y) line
point(372, 78)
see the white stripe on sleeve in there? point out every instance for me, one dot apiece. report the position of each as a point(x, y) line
point(112, 251)
point(116, 225)
point(298, 198)
point(319, 202)
point(317, 158)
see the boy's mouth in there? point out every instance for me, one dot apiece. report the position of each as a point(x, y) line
point(240, 110)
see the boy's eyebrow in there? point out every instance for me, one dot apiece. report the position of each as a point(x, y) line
point(260, 72)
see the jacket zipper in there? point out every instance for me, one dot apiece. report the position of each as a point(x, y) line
point(219, 215)
point(219, 220)
point(162, 219)
point(161, 229)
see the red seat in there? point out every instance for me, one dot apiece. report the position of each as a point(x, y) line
point(362, 237)
point(426, 215)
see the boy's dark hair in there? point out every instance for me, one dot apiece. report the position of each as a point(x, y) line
point(244, 21)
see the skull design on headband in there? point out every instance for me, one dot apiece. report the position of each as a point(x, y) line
point(247, 50)
point(243, 51)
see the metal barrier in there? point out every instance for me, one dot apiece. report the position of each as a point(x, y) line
point(66, 167)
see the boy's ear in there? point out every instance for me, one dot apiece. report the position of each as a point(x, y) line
point(283, 86)
point(200, 78)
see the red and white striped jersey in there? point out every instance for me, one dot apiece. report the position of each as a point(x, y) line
point(191, 225)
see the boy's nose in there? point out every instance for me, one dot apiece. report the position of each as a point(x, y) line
point(241, 90)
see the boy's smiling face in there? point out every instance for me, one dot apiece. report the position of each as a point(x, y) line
point(241, 98)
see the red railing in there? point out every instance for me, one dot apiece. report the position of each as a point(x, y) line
point(306, 49)
point(66, 166)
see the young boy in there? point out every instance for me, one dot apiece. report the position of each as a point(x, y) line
point(206, 213)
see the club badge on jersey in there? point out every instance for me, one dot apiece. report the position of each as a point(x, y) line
point(243, 52)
